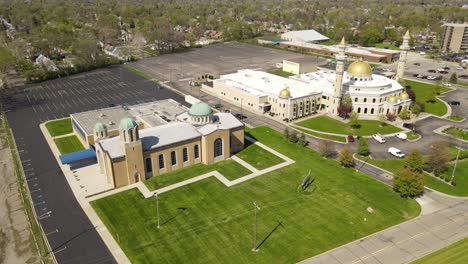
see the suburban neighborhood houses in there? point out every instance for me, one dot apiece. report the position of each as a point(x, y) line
point(236, 132)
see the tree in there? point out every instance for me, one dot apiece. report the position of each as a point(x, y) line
point(453, 78)
point(302, 140)
point(347, 100)
point(408, 183)
point(382, 120)
point(404, 114)
point(391, 117)
point(354, 120)
point(417, 108)
point(415, 161)
point(438, 157)
point(6, 58)
point(411, 94)
point(345, 158)
point(363, 147)
point(326, 148)
point(293, 137)
point(286, 133)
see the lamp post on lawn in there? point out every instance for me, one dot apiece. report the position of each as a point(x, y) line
point(455, 166)
point(256, 207)
point(157, 206)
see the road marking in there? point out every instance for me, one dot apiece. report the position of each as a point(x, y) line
point(39, 203)
point(52, 232)
point(60, 250)
point(42, 109)
point(34, 108)
point(28, 160)
point(48, 107)
point(29, 169)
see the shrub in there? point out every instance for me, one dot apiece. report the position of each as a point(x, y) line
point(363, 147)
point(438, 158)
point(293, 137)
point(408, 183)
point(302, 140)
point(417, 108)
point(391, 117)
point(346, 158)
point(415, 161)
point(404, 114)
point(326, 148)
point(354, 120)
point(453, 78)
point(411, 94)
point(286, 133)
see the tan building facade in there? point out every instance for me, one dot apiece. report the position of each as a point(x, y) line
point(455, 38)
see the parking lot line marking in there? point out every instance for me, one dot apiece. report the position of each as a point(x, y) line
point(48, 107)
point(47, 94)
point(56, 107)
point(34, 108)
point(60, 250)
point(42, 96)
point(52, 232)
point(79, 99)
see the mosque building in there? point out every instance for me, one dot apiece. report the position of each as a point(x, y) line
point(303, 95)
point(158, 137)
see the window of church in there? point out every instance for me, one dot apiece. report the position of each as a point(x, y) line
point(148, 165)
point(218, 147)
point(173, 158)
point(359, 110)
point(185, 154)
point(365, 110)
point(130, 133)
point(372, 111)
point(355, 99)
point(373, 100)
point(365, 100)
point(161, 161)
point(196, 152)
point(124, 135)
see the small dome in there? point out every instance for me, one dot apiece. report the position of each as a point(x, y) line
point(360, 68)
point(98, 127)
point(285, 93)
point(392, 99)
point(404, 96)
point(127, 123)
point(200, 109)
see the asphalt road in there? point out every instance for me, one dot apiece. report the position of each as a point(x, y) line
point(71, 235)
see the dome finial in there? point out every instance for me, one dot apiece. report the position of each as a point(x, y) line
point(343, 42)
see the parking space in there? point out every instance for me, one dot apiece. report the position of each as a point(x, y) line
point(72, 237)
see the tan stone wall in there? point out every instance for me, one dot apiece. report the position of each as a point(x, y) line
point(119, 171)
point(235, 96)
point(134, 161)
point(237, 140)
point(208, 146)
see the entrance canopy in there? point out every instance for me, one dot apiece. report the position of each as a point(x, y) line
point(78, 156)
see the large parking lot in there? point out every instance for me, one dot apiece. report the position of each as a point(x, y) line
point(72, 237)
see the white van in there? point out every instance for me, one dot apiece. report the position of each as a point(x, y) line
point(396, 152)
point(379, 138)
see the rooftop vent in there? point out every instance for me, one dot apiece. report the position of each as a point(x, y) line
point(102, 115)
point(111, 123)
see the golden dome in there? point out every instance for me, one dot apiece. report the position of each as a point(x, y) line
point(404, 96)
point(392, 99)
point(360, 68)
point(285, 93)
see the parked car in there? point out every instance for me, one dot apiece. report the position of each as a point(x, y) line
point(454, 102)
point(438, 78)
point(421, 75)
point(396, 152)
point(417, 64)
point(379, 138)
point(446, 84)
point(432, 71)
point(350, 139)
point(463, 76)
point(401, 136)
point(443, 72)
point(217, 106)
point(226, 111)
point(240, 116)
point(111, 105)
point(446, 68)
point(410, 126)
point(430, 77)
point(461, 67)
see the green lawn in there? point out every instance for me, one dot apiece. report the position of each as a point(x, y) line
point(461, 175)
point(457, 132)
point(59, 127)
point(455, 253)
point(229, 168)
point(412, 136)
point(330, 125)
point(320, 135)
point(206, 222)
point(258, 157)
point(389, 46)
point(68, 144)
point(423, 92)
point(281, 73)
point(455, 118)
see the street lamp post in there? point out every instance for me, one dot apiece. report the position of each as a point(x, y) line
point(157, 206)
point(256, 207)
point(455, 166)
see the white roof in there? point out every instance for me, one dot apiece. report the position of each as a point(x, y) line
point(221, 121)
point(154, 137)
point(307, 35)
point(258, 83)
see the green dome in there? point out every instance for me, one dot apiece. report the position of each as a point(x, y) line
point(99, 127)
point(200, 109)
point(127, 123)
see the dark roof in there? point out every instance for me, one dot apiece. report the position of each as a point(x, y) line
point(77, 156)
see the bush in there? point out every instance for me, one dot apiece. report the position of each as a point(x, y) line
point(417, 108)
point(346, 158)
point(286, 133)
point(411, 94)
point(391, 117)
point(363, 147)
point(302, 140)
point(408, 183)
point(326, 148)
point(404, 114)
point(293, 137)
point(453, 78)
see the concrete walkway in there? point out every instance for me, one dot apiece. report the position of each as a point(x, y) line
point(255, 173)
point(443, 221)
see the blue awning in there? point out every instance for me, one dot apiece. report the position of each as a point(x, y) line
point(78, 156)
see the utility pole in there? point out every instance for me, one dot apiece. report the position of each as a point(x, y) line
point(157, 206)
point(256, 207)
point(455, 166)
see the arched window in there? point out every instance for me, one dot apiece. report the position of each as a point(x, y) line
point(185, 154)
point(218, 147)
point(355, 99)
point(161, 161)
point(373, 100)
point(173, 158)
point(372, 111)
point(124, 135)
point(196, 151)
point(359, 110)
point(365, 100)
point(148, 165)
point(365, 110)
point(130, 132)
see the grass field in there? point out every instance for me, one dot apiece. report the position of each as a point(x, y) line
point(457, 132)
point(258, 157)
point(412, 136)
point(320, 135)
point(423, 92)
point(455, 118)
point(59, 127)
point(206, 222)
point(461, 175)
point(389, 46)
point(229, 168)
point(330, 125)
point(281, 73)
point(456, 253)
point(68, 144)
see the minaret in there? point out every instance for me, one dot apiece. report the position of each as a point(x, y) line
point(403, 54)
point(340, 58)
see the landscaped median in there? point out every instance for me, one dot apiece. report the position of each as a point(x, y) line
point(207, 222)
point(457, 132)
point(59, 127)
point(68, 144)
point(424, 92)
